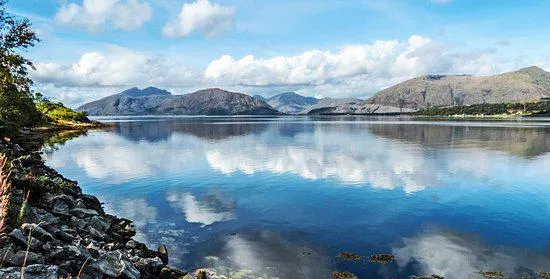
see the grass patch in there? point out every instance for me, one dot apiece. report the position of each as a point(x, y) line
point(58, 113)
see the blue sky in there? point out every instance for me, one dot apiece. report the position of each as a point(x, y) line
point(94, 48)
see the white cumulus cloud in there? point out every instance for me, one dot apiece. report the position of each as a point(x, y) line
point(208, 18)
point(97, 15)
point(355, 69)
point(115, 67)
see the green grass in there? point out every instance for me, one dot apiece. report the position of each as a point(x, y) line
point(57, 112)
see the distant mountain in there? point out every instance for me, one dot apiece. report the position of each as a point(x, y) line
point(214, 101)
point(527, 84)
point(155, 101)
point(328, 104)
point(129, 102)
point(260, 97)
point(290, 102)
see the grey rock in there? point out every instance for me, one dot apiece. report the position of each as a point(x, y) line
point(32, 258)
point(95, 234)
point(46, 247)
point(42, 217)
point(99, 223)
point(131, 244)
point(63, 236)
point(37, 232)
point(62, 204)
point(93, 249)
point(18, 238)
point(77, 222)
point(153, 264)
point(9, 254)
point(69, 252)
point(114, 264)
point(36, 271)
point(83, 212)
point(163, 253)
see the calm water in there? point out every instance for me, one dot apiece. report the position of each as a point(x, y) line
point(282, 197)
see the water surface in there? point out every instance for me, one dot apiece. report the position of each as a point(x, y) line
point(254, 197)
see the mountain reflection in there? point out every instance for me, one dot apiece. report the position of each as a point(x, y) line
point(161, 129)
point(518, 141)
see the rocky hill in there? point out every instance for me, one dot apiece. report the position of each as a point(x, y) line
point(154, 101)
point(526, 84)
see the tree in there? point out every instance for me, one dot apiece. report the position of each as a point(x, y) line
point(17, 108)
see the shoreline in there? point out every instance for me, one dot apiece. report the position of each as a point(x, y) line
point(53, 230)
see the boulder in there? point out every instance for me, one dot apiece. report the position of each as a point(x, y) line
point(123, 227)
point(77, 223)
point(32, 258)
point(69, 252)
point(163, 254)
point(19, 239)
point(37, 231)
point(114, 264)
point(61, 204)
point(83, 212)
point(100, 223)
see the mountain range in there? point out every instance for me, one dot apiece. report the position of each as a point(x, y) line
point(154, 101)
point(526, 84)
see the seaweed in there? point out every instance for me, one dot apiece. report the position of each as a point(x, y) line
point(382, 258)
point(493, 274)
point(343, 275)
point(349, 256)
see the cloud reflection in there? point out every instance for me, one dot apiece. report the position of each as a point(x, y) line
point(266, 254)
point(207, 211)
point(385, 156)
point(451, 255)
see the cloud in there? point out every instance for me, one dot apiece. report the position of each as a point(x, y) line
point(115, 67)
point(203, 16)
point(355, 69)
point(95, 16)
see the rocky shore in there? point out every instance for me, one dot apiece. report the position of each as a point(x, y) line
point(53, 230)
